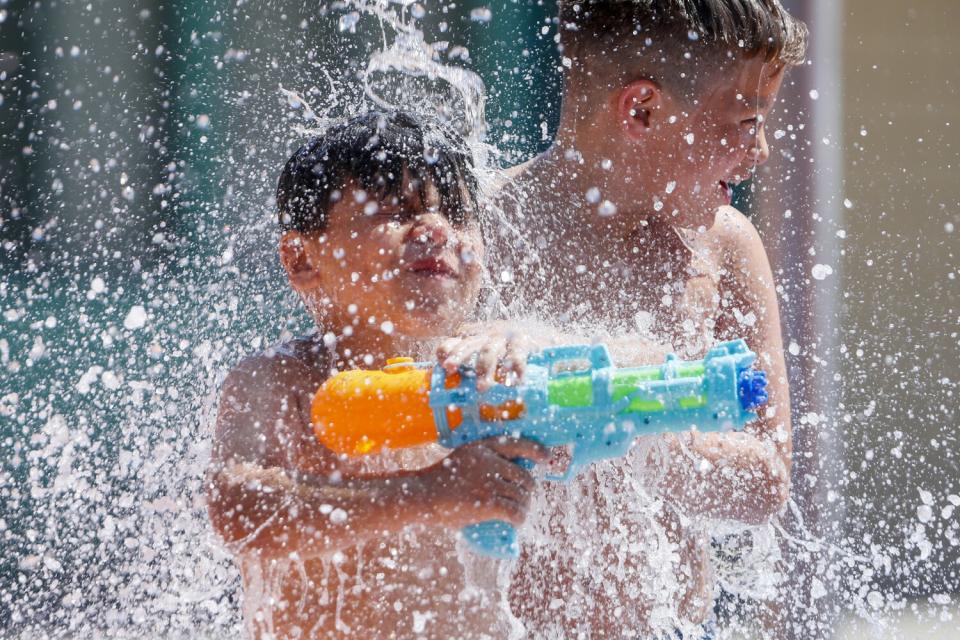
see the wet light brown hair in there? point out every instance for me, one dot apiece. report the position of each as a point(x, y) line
point(675, 40)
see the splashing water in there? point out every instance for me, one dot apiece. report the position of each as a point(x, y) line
point(110, 374)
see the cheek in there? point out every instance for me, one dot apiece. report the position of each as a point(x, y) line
point(380, 248)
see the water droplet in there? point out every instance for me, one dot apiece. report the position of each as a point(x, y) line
point(136, 318)
point(349, 22)
point(607, 209)
point(814, 94)
point(593, 195)
point(821, 271)
point(481, 14)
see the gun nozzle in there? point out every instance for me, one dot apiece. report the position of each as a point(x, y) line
point(752, 389)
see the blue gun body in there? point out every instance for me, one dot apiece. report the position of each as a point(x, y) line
point(573, 396)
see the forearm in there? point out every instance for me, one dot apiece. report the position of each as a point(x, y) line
point(278, 512)
point(730, 476)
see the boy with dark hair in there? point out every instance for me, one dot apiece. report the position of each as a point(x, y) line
point(382, 243)
point(623, 227)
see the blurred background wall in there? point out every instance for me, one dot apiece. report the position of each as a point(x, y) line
point(900, 308)
point(139, 147)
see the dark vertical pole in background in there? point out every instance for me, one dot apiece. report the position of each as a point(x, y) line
point(16, 77)
point(798, 199)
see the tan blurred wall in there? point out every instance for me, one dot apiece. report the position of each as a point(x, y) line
point(901, 78)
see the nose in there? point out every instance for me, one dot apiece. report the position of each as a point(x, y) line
point(429, 228)
point(759, 151)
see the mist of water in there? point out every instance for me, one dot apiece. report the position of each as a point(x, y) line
point(104, 529)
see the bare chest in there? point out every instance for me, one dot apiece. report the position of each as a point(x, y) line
point(668, 292)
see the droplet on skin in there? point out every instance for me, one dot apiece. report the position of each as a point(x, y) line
point(848, 203)
point(671, 186)
point(387, 327)
point(607, 209)
point(794, 348)
point(338, 516)
point(593, 195)
point(689, 138)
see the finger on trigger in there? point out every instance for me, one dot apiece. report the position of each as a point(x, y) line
point(511, 448)
point(459, 355)
point(515, 359)
point(487, 364)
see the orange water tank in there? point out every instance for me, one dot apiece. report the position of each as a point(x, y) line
point(359, 412)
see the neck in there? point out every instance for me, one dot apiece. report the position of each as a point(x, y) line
point(367, 346)
point(588, 177)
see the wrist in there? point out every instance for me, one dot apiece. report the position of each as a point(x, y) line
point(420, 497)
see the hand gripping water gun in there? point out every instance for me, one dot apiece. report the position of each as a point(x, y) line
point(569, 396)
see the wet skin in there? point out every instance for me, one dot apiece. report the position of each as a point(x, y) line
point(681, 276)
point(359, 548)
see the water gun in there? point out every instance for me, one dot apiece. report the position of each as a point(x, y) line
point(569, 396)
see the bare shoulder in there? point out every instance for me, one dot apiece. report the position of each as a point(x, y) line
point(737, 241)
point(288, 365)
point(264, 402)
point(734, 230)
point(518, 171)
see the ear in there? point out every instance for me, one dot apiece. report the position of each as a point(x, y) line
point(297, 261)
point(637, 105)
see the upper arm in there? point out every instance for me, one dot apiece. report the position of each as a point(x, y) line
point(751, 311)
point(255, 412)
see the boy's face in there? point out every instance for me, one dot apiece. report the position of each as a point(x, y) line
point(401, 262)
point(702, 148)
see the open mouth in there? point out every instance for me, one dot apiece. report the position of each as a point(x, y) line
point(432, 268)
point(727, 191)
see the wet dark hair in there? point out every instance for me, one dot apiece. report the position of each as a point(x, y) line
point(383, 152)
point(750, 27)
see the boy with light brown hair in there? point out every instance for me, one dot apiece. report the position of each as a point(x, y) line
point(623, 228)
